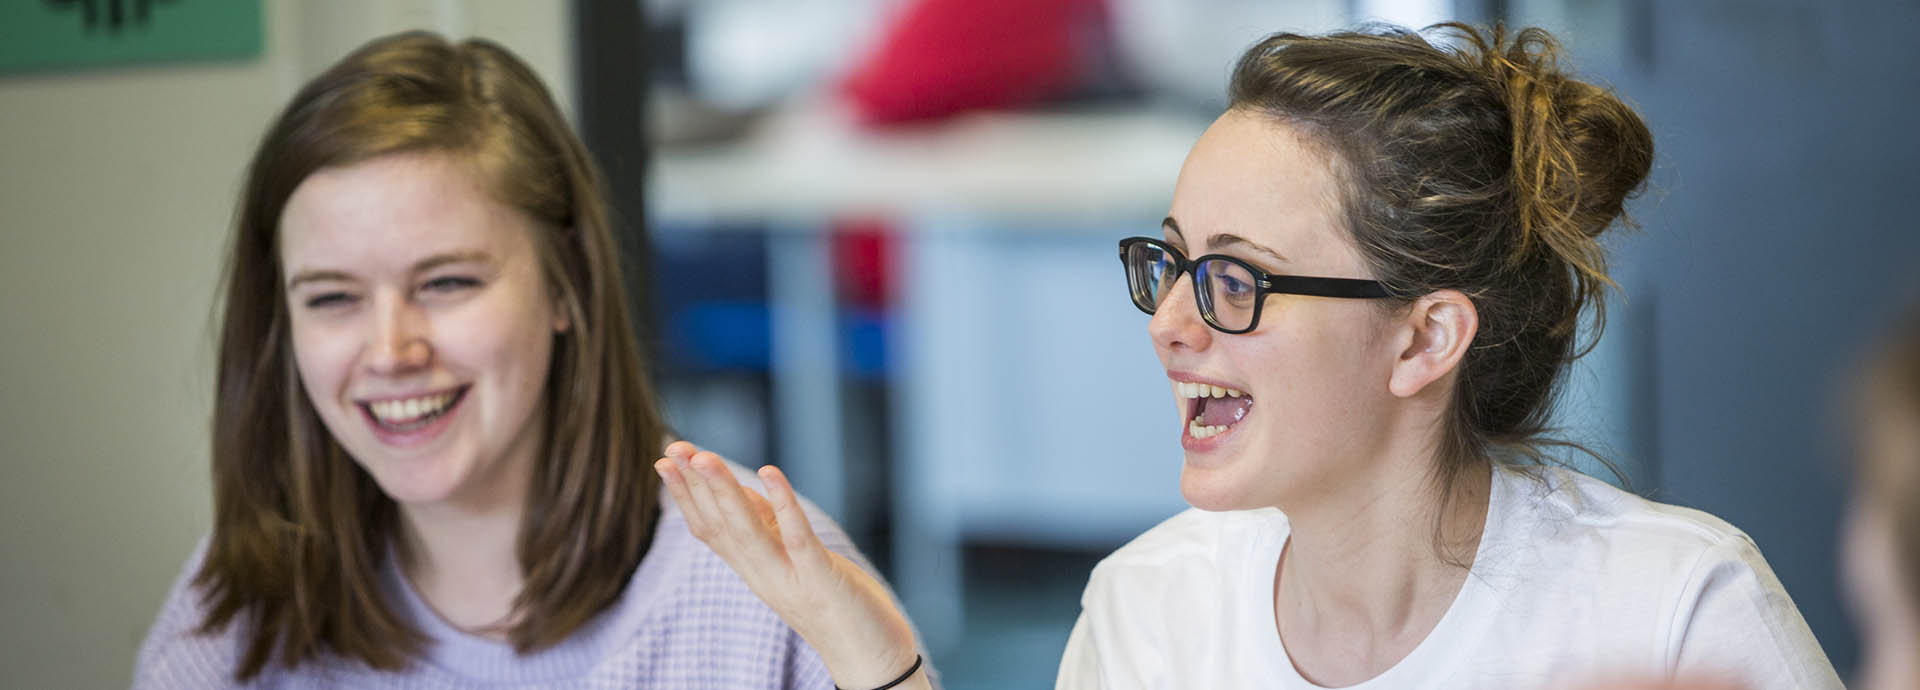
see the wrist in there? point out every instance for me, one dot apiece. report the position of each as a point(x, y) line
point(873, 671)
point(913, 670)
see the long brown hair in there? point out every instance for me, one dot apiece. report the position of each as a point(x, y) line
point(1481, 168)
point(300, 531)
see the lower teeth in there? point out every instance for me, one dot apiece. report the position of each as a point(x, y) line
point(1198, 430)
point(415, 424)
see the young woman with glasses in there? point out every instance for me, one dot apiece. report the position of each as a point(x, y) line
point(1364, 296)
point(432, 427)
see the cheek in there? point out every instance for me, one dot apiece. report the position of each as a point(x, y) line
point(532, 354)
point(513, 341)
point(322, 356)
point(1328, 372)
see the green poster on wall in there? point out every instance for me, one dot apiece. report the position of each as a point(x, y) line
point(39, 35)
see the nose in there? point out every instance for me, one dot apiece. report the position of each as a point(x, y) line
point(1176, 323)
point(398, 342)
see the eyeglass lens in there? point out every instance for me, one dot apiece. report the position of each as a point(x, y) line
point(1228, 293)
point(1150, 274)
point(1227, 297)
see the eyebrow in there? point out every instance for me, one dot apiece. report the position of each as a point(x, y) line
point(1226, 240)
point(438, 260)
point(422, 266)
point(1168, 224)
point(317, 277)
point(1232, 240)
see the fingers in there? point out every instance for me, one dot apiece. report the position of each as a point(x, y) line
point(676, 484)
point(689, 489)
point(732, 519)
point(770, 543)
point(700, 488)
point(681, 449)
point(669, 469)
point(737, 522)
point(674, 473)
point(796, 533)
point(736, 507)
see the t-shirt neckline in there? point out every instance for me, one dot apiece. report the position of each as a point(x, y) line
point(1465, 621)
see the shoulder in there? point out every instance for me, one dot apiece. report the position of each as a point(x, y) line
point(1200, 551)
point(176, 654)
point(1170, 602)
point(1558, 530)
point(1698, 586)
point(1192, 534)
point(1558, 507)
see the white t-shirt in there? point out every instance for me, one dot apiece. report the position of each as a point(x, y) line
point(1575, 581)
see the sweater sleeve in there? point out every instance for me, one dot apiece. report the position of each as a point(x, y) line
point(175, 654)
point(1734, 618)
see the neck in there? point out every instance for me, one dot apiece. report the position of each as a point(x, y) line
point(463, 559)
point(1360, 582)
point(1370, 554)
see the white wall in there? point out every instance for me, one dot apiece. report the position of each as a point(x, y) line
point(116, 187)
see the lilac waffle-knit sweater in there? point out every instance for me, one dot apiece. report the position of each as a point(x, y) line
point(686, 620)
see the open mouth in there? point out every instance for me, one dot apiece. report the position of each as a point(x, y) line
point(1211, 410)
point(402, 415)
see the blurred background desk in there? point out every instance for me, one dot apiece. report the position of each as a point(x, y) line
point(1025, 403)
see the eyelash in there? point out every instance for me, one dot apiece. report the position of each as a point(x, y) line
point(328, 300)
point(449, 284)
point(443, 284)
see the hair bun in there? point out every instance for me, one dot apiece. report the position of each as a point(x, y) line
point(1578, 152)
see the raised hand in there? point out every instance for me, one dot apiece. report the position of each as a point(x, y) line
point(833, 604)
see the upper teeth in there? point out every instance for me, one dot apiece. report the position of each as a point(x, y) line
point(1202, 390)
point(401, 410)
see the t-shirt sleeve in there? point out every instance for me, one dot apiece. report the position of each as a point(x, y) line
point(175, 653)
point(1734, 619)
point(1080, 664)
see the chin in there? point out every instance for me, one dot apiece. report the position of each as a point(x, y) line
point(424, 484)
point(416, 495)
point(1215, 488)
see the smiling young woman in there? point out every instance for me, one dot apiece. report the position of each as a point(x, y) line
point(1364, 296)
point(432, 426)
point(1372, 508)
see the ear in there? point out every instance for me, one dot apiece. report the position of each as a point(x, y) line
point(1439, 329)
point(562, 321)
point(562, 317)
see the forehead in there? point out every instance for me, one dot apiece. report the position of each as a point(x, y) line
point(1256, 177)
point(392, 210)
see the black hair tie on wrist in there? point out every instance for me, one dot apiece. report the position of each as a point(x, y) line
point(917, 659)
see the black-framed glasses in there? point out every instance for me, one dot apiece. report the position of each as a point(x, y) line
point(1228, 291)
